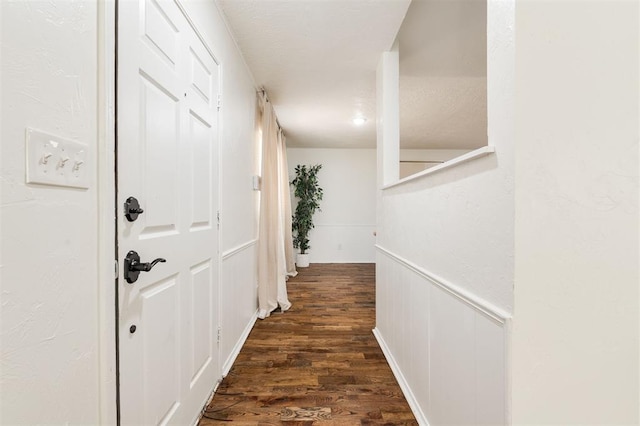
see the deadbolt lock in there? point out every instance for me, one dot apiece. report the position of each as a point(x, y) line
point(132, 209)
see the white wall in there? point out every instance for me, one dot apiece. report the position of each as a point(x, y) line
point(49, 327)
point(344, 227)
point(57, 326)
point(445, 265)
point(546, 234)
point(575, 347)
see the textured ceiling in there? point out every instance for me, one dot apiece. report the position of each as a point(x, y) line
point(317, 59)
point(443, 75)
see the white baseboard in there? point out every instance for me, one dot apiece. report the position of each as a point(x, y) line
point(206, 404)
point(239, 344)
point(406, 390)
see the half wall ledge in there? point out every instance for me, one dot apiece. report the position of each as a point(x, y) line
point(477, 153)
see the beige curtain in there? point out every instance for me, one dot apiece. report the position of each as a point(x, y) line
point(275, 246)
point(285, 196)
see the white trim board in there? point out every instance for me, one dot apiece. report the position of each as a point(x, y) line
point(345, 225)
point(229, 253)
point(477, 153)
point(480, 305)
point(226, 367)
point(105, 160)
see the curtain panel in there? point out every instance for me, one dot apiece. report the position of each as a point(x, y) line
point(275, 243)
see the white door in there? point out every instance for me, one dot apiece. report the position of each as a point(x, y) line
point(167, 159)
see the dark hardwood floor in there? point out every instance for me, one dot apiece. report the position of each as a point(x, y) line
point(319, 355)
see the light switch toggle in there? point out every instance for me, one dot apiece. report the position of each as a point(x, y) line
point(63, 161)
point(45, 158)
point(77, 164)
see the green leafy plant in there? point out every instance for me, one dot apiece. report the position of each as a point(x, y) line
point(309, 195)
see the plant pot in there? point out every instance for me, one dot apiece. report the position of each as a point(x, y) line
point(302, 260)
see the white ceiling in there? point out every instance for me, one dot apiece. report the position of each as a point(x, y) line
point(317, 59)
point(443, 75)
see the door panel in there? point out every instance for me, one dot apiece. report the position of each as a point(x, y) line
point(200, 167)
point(159, 138)
point(161, 31)
point(161, 359)
point(168, 86)
point(202, 332)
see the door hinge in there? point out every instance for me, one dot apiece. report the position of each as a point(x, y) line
point(219, 333)
point(115, 269)
point(219, 101)
point(218, 218)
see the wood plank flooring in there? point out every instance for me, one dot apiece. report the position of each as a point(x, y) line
point(320, 354)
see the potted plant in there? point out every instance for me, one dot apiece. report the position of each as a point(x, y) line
point(309, 194)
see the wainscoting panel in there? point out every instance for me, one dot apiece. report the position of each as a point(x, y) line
point(491, 379)
point(448, 349)
point(238, 300)
point(342, 243)
point(451, 344)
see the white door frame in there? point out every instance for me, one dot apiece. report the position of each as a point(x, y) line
point(106, 57)
point(107, 233)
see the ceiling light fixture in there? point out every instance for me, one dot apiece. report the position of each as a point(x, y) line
point(359, 121)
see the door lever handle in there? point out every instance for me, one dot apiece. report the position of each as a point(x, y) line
point(133, 266)
point(145, 267)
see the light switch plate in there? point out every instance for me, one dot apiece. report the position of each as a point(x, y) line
point(52, 160)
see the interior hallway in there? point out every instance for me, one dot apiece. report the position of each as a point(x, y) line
point(320, 353)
